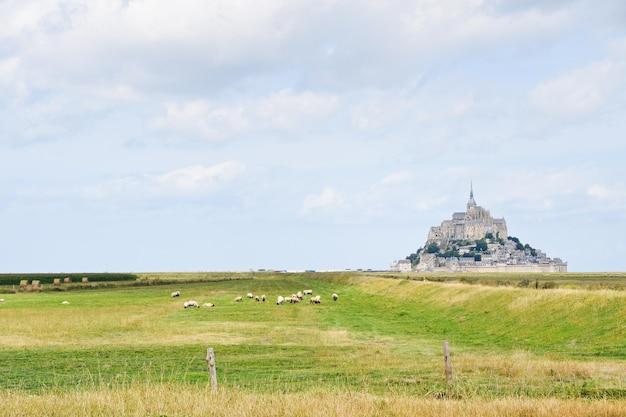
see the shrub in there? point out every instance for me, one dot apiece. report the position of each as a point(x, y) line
point(523, 283)
point(48, 278)
point(481, 245)
point(432, 248)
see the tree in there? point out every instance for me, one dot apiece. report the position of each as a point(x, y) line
point(481, 245)
point(489, 236)
point(450, 253)
point(514, 239)
point(414, 257)
point(519, 246)
point(432, 248)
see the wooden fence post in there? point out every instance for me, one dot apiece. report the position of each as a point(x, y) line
point(210, 358)
point(447, 363)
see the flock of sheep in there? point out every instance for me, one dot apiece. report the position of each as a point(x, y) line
point(292, 299)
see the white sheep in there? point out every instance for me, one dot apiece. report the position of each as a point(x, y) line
point(263, 298)
point(175, 294)
point(257, 298)
point(294, 300)
point(299, 295)
point(280, 300)
point(249, 295)
point(316, 300)
point(238, 299)
point(335, 296)
point(1, 300)
point(208, 305)
point(65, 302)
point(191, 304)
point(307, 292)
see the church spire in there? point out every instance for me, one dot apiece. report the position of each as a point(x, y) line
point(471, 202)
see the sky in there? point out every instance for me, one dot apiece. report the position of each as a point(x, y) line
point(192, 135)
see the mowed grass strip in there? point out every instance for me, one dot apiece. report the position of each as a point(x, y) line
point(279, 369)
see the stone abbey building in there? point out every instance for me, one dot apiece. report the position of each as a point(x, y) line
point(472, 224)
point(474, 241)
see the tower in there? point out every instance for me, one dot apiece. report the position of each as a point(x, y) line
point(471, 202)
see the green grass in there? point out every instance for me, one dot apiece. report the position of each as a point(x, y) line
point(383, 335)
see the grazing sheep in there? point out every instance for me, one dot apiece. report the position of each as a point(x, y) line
point(65, 302)
point(280, 300)
point(208, 305)
point(307, 292)
point(1, 300)
point(175, 294)
point(249, 295)
point(257, 298)
point(316, 300)
point(263, 298)
point(299, 295)
point(191, 304)
point(335, 296)
point(238, 299)
point(294, 300)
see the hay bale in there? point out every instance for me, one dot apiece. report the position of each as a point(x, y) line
point(67, 280)
point(56, 282)
point(36, 285)
point(23, 283)
point(85, 280)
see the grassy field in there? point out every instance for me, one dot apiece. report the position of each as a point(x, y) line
point(573, 280)
point(382, 340)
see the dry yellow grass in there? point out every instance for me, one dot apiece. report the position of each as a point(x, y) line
point(525, 366)
point(164, 400)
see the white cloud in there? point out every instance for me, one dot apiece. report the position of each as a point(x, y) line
point(211, 43)
point(199, 118)
point(377, 110)
point(395, 178)
point(8, 70)
point(284, 111)
point(10, 80)
point(612, 195)
point(579, 91)
point(428, 203)
point(327, 200)
point(198, 178)
point(188, 181)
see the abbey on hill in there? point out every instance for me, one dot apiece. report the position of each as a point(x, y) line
point(474, 241)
